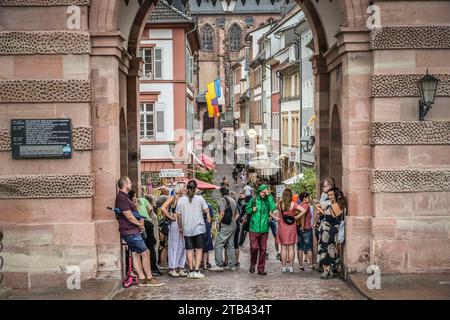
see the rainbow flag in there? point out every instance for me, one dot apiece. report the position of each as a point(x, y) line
point(213, 97)
point(211, 112)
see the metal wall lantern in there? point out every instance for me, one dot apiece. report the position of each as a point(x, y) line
point(307, 143)
point(428, 87)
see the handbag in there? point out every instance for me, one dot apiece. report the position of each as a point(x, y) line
point(289, 220)
point(341, 232)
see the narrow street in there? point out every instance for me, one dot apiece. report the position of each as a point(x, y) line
point(241, 284)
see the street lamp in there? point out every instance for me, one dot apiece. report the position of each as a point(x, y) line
point(428, 87)
point(307, 143)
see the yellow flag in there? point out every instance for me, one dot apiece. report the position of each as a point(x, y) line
point(212, 90)
point(209, 105)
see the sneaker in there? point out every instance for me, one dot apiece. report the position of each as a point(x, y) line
point(290, 269)
point(182, 273)
point(267, 256)
point(197, 275)
point(156, 273)
point(152, 282)
point(229, 268)
point(284, 269)
point(174, 273)
point(216, 268)
point(278, 256)
point(190, 274)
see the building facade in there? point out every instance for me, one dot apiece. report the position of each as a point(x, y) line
point(223, 29)
point(168, 87)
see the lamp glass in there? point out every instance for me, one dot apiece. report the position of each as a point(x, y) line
point(428, 87)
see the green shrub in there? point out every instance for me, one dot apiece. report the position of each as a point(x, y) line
point(308, 183)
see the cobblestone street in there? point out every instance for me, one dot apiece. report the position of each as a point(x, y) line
point(240, 284)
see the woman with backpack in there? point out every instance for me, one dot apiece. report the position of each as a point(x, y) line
point(176, 246)
point(288, 212)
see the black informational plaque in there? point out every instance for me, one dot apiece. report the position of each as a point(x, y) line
point(41, 138)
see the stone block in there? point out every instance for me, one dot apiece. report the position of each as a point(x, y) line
point(383, 228)
point(393, 205)
point(423, 228)
point(75, 234)
point(428, 255)
point(394, 61)
point(357, 254)
point(17, 280)
point(386, 109)
point(390, 255)
point(357, 157)
point(358, 179)
point(360, 203)
point(430, 156)
point(76, 67)
point(38, 67)
point(107, 232)
point(357, 228)
point(390, 156)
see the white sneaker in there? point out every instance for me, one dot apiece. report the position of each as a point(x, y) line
point(174, 273)
point(216, 268)
point(190, 275)
point(284, 269)
point(290, 269)
point(197, 275)
point(182, 273)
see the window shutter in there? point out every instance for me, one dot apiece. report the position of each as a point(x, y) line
point(160, 121)
point(158, 63)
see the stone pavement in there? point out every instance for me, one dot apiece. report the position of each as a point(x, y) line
point(240, 284)
point(405, 286)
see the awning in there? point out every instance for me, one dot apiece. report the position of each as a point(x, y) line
point(157, 166)
point(204, 161)
point(294, 179)
point(203, 185)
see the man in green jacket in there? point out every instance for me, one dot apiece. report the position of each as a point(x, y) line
point(259, 210)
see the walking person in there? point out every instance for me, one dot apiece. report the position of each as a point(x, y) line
point(190, 211)
point(304, 233)
point(130, 230)
point(288, 213)
point(228, 215)
point(244, 177)
point(259, 210)
point(333, 215)
point(176, 245)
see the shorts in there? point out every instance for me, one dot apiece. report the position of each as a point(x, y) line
point(135, 243)
point(194, 242)
point(273, 227)
point(305, 240)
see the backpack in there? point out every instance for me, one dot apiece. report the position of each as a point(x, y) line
point(228, 216)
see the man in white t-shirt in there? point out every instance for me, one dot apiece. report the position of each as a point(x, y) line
point(190, 210)
point(248, 190)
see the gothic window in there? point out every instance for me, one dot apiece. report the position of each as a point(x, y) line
point(234, 38)
point(207, 38)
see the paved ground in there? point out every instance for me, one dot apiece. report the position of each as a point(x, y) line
point(240, 284)
point(405, 286)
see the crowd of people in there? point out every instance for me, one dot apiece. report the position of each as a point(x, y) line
point(177, 229)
